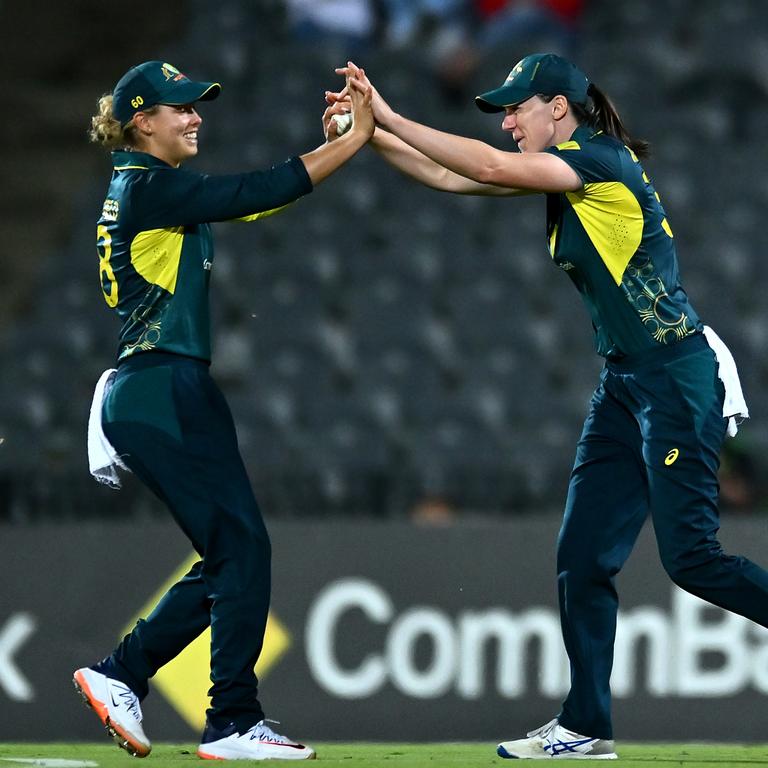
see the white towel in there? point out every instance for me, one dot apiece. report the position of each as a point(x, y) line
point(734, 406)
point(102, 457)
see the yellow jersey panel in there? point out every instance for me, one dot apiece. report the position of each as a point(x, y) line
point(613, 219)
point(156, 254)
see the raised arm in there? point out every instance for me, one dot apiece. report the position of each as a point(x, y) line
point(405, 158)
point(418, 166)
point(182, 198)
point(534, 172)
point(470, 158)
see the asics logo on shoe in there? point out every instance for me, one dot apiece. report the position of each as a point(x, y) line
point(566, 746)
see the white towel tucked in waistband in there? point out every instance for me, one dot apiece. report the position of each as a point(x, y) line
point(102, 457)
point(734, 406)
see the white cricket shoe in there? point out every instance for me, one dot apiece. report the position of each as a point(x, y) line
point(117, 707)
point(257, 743)
point(553, 741)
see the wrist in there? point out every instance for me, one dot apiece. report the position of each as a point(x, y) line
point(357, 136)
point(391, 122)
point(379, 136)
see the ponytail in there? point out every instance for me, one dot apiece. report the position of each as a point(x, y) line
point(106, 128)
point(601, 114)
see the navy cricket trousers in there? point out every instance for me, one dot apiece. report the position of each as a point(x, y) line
point(650, 443)
point(174, 430)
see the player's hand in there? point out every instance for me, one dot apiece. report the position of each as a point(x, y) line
point(362, 114)
point(336, 108)
point(382, 112)
point(332, 97)
point(360, 95)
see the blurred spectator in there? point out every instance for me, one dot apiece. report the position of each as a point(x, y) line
point(739, 490)
point(433, 510)
point(512, 28)
point(514, 24)
point(408, 21)
point(347, 25)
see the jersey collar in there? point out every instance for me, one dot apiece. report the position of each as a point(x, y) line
point(124, 160)
point(584, 133)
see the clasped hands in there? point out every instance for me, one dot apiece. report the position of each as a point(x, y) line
point(357, 88)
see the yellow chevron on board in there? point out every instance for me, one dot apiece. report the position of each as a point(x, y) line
point(185, 680)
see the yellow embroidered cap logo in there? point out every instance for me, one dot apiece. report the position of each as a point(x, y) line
point(671, 457)
point(171, 73)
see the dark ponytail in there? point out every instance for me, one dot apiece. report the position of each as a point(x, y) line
point(601, 114)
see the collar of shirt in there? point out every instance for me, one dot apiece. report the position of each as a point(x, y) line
point(584, 133)
point(123, 159)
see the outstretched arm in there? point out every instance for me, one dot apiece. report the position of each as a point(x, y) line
point(534, 172)
point(472, 159)
point(405, 158)
point(418, 166)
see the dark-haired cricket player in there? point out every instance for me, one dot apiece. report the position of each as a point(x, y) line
point(669, 389)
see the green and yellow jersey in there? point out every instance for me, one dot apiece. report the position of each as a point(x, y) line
point(613, 239)
point(156, 249)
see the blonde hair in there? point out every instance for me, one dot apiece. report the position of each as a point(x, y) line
point(107, 130)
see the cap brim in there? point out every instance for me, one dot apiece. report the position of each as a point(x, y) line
point(190, 92)
point(500, 98)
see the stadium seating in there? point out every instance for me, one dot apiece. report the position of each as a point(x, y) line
point(378, 341)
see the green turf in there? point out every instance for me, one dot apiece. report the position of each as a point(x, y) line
point(393, 755)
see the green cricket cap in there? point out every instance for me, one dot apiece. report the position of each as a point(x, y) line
point(156, 82)
point(544, 73)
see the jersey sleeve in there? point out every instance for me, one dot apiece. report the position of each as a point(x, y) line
point(169, 198)
point(593, 162)
point(262, 214)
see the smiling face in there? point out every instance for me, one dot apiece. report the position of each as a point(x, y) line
point(536, 124)
point(169, 132)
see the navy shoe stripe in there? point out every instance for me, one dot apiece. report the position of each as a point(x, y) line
point(566, 746)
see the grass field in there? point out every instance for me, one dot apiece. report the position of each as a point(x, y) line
point(106, 755)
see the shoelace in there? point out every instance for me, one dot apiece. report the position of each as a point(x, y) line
point(263, 732)
point(544, 730)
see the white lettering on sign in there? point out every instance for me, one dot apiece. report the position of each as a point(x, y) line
point(691, 650)
point(13, 634)
point(335, 600)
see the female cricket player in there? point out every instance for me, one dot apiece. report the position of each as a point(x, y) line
point(165, 416)
point(657, 421)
